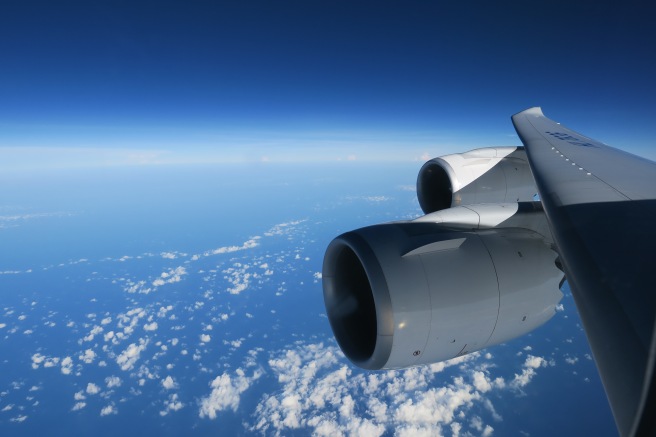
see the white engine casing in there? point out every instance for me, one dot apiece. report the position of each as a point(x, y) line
point(488, 175)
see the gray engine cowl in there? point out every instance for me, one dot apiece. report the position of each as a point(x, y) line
point(404, 294)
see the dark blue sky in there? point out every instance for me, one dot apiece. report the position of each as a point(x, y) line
point(373, 77)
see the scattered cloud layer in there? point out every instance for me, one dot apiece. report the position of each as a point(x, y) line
point(204, 323)
point(226, 391)
point(321, 394)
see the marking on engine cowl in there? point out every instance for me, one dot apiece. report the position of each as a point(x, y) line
point(436, 247)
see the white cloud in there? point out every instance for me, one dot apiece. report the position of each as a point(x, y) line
point(249, 244)
point(490, 407)
point(37, 359)
point(571, 360)
point(109, 409)
point(234, 343)
point(79, 406)
point(150, 326)
point(481, 382)
point(534, 362)
point(95, 331)
point(172, 404)
point(528, 371)
point(377, 199)
point(436, 405)
point(169, 277)
point(318, 391)
point(283, 228)
point(88, 356)
point(113, 381)
point(238, 276)
point(205, 338)
point(226, 391)
point(92, 389)
point(137, 287)
point(67, 365)
point(127, 359)
point(476, 423)
point(163, 310)
point(168, 383)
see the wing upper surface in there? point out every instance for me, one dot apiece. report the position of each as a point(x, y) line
point(601, 207)
point(581, 169)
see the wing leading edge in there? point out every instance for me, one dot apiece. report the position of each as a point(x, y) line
point(600, 203)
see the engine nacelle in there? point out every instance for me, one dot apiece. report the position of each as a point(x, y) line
point(410, 293)
point(490, 175)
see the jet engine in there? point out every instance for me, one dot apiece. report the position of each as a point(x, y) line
point(490, 175)
point(403, 294)
point(450, 282)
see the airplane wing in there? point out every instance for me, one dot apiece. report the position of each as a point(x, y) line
point(600, 204)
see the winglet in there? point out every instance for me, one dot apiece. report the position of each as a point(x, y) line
point(536, 110)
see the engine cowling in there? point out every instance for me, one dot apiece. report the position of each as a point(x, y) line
point(489, 175)
point(410, 293)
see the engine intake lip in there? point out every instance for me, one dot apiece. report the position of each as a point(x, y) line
point(434, 186)
point(357, 301)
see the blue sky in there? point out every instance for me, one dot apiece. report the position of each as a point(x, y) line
point(123, 84)
point(183, 82)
